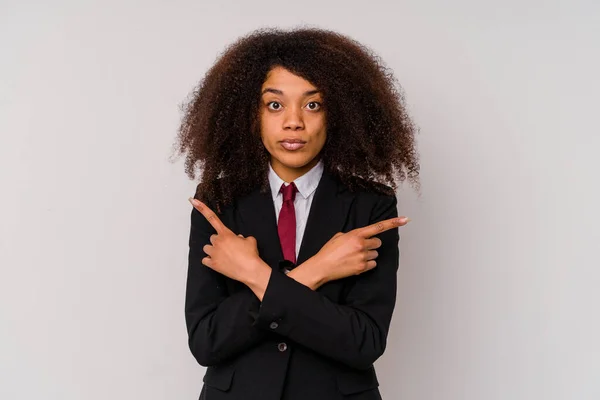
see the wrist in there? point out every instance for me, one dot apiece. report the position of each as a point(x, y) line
point(309, 274)
point(257, 278)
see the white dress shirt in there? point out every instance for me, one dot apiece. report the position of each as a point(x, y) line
point(306, 184)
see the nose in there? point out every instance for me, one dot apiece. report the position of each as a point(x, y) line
point(293, 119)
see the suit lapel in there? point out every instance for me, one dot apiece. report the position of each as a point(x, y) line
point(327, 216)
point(256, 213)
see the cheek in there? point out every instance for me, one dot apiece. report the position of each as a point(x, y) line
point(321, 129)
point(322, 140)
point(266, 129)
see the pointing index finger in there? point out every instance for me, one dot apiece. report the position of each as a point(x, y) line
point(210, 216)
point(382, 226)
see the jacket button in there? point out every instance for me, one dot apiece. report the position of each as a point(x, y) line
point(282, 347)
point(274, 325)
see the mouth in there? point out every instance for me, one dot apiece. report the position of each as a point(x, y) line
point(292, 144)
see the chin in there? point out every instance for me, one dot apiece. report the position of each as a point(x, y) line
point(295, 161)
point(293, 164)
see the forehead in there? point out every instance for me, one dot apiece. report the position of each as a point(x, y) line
point(281, 78)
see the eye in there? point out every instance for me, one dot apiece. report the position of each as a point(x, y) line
point(314, 105)
point(273, 105)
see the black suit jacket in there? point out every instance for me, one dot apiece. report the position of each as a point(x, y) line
point(297, 344)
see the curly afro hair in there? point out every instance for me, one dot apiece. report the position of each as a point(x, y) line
point(370, 138)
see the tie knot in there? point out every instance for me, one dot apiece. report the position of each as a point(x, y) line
point(289, 192)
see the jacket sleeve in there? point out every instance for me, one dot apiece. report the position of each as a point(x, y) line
point(219, 324)
point(353, 333)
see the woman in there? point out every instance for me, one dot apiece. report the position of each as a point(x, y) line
point(301, 136)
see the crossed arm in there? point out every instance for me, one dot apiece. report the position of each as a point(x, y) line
point(221, 325)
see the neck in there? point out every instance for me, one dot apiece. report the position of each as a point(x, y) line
point(290, 174)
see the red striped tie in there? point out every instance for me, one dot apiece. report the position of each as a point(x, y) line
point(286, 226)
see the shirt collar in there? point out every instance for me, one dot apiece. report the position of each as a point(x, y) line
point(306, 184)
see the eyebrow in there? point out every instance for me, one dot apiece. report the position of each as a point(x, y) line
point(279, 92)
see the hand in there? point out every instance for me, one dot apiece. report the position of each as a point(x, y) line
point(229, 254)
point(347, 254)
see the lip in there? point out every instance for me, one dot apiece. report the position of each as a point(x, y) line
point(293, 140)
point(292, 144)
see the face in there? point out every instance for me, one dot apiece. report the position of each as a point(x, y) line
point(292, 122)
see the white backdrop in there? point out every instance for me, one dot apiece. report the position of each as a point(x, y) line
point(498, 284)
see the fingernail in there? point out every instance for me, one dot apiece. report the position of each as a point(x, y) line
point(403, 220)
point(193, 201)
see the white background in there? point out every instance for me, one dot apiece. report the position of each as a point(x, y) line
point(499, 279)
